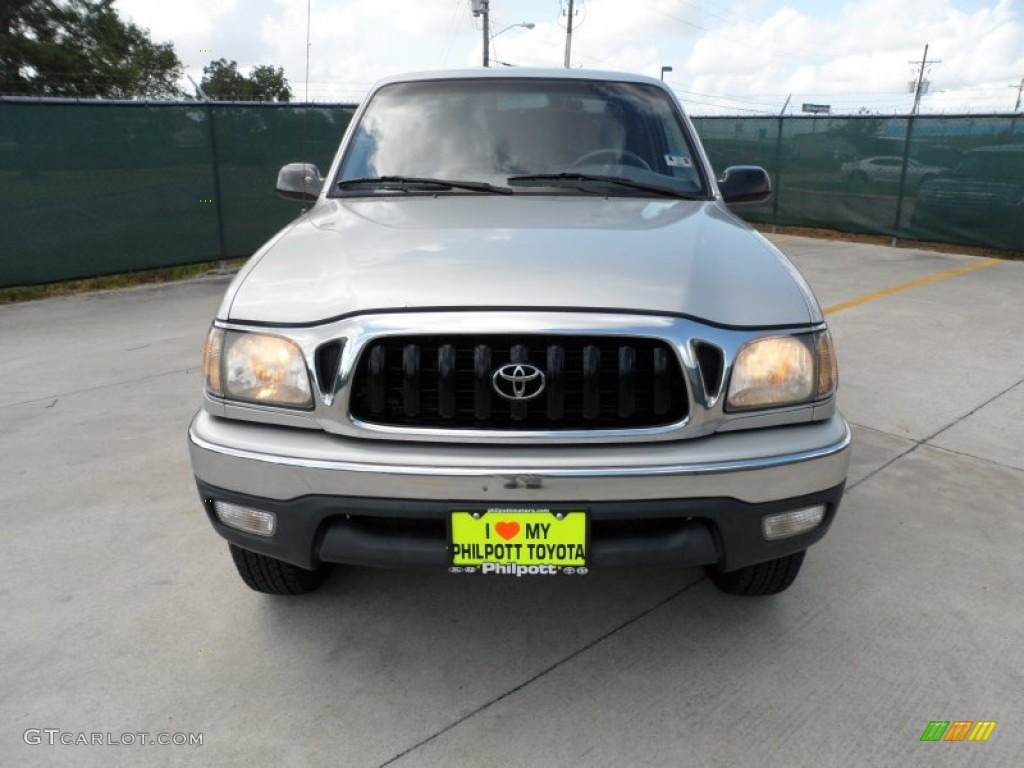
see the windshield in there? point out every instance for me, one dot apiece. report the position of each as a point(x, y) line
point(562, 136)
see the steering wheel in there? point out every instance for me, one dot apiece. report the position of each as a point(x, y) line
point(611, 152)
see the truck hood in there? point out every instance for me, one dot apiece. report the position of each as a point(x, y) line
point(582, 253)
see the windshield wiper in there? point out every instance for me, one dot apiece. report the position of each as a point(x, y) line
point(575, 180)
point(405, 183)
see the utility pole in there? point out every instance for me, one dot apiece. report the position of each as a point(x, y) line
point(482, 8)
point(486, 13)
point(1020, 90)
point(918, 90)
point(921, 82)
point(568, 36)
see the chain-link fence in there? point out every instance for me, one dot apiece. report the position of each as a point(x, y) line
point(949, 179)
point(93, 188)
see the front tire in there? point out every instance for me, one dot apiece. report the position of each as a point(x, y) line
point(275, 577)
point(768, 578)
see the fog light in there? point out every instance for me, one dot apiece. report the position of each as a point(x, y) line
point(245, 518)
point(787, 524)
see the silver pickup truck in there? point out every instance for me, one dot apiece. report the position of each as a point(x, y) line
point(519, 333)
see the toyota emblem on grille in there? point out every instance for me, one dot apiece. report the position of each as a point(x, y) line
point(518, 381)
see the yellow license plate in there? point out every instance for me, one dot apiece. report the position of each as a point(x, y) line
point(511, 540)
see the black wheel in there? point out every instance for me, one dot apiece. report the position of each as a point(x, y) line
point(275, 577)
point(767, 578)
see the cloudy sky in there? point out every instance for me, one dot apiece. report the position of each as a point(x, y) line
point(738, 57)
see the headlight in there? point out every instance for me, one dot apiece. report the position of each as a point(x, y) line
point(783, 370)
point(257, 368)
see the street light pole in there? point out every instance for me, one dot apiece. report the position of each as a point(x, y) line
point(482, 8)
point(523, 24)
point(663, 71)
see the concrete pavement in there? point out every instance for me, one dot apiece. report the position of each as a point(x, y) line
point(123, 614)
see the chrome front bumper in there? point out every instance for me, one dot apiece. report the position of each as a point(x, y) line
point(754, 466)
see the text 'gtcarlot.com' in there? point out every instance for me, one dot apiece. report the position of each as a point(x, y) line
point(53, 736)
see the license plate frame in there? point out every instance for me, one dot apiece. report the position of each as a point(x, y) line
point(519, 540)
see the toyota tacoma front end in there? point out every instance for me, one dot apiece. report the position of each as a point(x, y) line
point(519, 333)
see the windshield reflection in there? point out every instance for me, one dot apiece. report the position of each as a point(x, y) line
point(487, 130)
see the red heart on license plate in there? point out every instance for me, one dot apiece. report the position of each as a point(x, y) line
point(506, 530)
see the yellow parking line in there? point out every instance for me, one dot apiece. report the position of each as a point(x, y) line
point(907, 286)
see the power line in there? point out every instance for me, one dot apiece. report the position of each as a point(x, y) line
point(801, 53)
point(452, 27)
point(709, 12)
point(723, 97)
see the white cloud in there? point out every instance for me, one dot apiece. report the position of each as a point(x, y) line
point(182, 19)
point(747, 55)
point(863, 55)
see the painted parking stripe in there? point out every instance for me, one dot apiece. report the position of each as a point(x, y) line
point(907, 286)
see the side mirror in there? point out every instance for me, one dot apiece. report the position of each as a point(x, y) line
point(745, 184)
point(299, 181)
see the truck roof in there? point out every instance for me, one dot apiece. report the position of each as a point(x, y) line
point(519, 73)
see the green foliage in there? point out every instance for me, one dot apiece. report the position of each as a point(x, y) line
point(223, 82)
point(82, 48)
point(269, 84)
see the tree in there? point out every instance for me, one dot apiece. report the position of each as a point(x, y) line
point(82, 48)
point(223, 82)
point(269, 84)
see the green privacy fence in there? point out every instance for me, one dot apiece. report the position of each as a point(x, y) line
point(955, 179)
point(93, 188)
